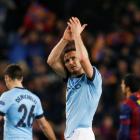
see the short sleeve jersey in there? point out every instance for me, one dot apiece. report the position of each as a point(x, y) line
point(20, 107)
point(82, 98)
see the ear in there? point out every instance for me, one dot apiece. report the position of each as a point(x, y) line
point(21, 79)
point(6, 77)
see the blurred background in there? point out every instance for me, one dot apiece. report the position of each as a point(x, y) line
point(29, 29)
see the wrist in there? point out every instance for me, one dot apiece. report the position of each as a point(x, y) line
point(65, 40)
point(77, 36)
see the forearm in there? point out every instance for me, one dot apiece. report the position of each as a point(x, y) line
point(56, 52)
point(80, 47)
point(48, 131)
point(46, 128)
point(83, 57)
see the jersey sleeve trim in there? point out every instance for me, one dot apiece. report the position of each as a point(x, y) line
point(93, 76)
point(39, 116)
point(2, 114)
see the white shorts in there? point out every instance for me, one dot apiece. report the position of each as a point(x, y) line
point(82, 134)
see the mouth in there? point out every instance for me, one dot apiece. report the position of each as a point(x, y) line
point(73, 67)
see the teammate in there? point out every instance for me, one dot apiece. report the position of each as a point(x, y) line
point(84, 82)
point(20, 108)
point(130, 109)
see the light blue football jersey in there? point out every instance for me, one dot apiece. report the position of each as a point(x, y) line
point(82, 98)
point(20, 107)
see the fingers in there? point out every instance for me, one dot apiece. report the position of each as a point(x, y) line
point(83, 26)
point(74, 20)
point(69, 24)
point(67, 29)
point(77, 20)
point(75, 25)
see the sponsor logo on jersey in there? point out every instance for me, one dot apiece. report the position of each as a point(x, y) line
point(2, 103)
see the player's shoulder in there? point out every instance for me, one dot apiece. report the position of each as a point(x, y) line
point(96, 70)
point(6, 93)
point(32, 94)
point(125, 105)
point(96, 75)
point(133, 97)
point(16, 92)
point(132, 102)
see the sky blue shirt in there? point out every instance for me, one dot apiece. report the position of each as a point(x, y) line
point(82, 98)
point(20, 107)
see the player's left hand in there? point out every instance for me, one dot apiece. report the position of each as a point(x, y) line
point(75, 26)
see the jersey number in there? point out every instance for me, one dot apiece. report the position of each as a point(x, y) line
point(30, 116)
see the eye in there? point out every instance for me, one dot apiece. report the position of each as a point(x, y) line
point(73, 58)
point(66, 61)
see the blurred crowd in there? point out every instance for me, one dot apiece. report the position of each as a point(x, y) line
point(29, 30)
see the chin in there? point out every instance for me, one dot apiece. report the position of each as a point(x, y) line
point(75, 72)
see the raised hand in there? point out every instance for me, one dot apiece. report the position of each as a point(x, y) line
point(67, 34)
point(75, 26)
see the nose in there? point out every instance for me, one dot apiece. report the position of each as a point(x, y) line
point(70, 62)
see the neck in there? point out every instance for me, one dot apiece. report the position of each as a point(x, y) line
point(78, 73)
point(15, 84)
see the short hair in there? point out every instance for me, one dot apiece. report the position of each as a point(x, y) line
point(132, 81)
point(69, 47)
point(14, 71)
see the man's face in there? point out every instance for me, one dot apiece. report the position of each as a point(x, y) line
point(125, 89)
point(72, 63)
point(123, 86)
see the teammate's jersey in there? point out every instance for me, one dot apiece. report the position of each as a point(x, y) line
point(82, 98)
point(20, 107)
point(130, 118)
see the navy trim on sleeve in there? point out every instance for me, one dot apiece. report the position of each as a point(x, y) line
point(2, 114)
point(93, 76)
point(39, 116)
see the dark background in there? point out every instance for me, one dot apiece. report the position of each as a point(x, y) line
point(29, 30)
